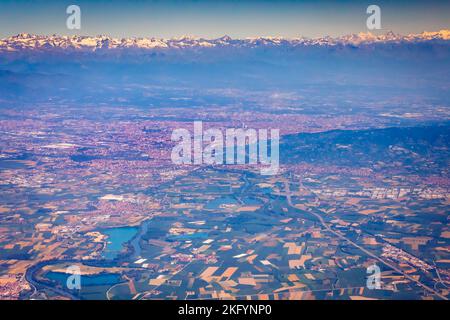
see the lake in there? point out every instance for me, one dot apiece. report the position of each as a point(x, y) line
point(117, 238)
point(86, 280)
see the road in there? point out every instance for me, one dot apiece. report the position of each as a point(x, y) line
point(370, 254)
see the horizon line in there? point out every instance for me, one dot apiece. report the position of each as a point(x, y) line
point(195, 37)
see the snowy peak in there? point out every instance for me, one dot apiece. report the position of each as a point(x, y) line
point(25, 41)
point(440, 35)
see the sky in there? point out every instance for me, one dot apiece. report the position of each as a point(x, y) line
point(215, 18)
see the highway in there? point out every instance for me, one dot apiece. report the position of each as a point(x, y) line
point(370, 254)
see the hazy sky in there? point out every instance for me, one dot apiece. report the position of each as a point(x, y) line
point(211, 19)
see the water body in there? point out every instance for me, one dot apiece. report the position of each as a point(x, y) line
point(117, 238)
point(12, 164)
point(135, 242)
point(102, 279)
point(216, 203)
point(191, 236)
point(251, 201)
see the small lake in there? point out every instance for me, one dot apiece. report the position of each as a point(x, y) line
point(102, 279)
point(251, 201)
point(117, 238)
point(216, 203)
point(191, 236)
point(12, 164)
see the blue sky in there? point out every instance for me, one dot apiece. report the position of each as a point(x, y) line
point(211, 19)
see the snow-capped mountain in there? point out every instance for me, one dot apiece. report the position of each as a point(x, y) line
point(26, 41)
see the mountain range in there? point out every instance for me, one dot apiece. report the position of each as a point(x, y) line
point(25, 41)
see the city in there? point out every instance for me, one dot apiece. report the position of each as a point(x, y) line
point(118, 182)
